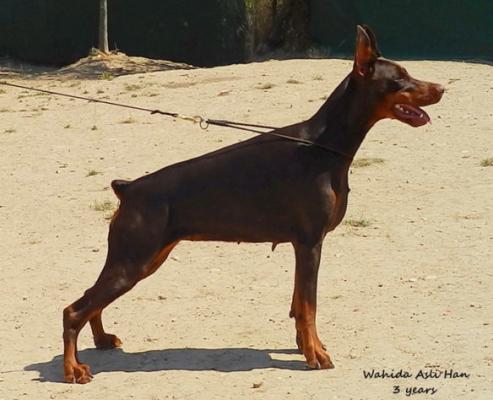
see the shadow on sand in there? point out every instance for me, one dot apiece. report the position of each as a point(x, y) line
point(188, 359)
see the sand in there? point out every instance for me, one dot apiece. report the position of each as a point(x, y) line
point(408, 288)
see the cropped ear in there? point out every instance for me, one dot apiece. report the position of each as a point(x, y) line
point(373, 40)
point(366, 51)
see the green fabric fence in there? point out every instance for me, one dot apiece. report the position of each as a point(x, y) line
point(433, 29)
point(215, 32)
point(200, 32)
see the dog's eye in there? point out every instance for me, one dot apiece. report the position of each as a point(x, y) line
point(396, 84)
point(403, 82)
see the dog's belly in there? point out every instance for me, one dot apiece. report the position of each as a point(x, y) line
point(238, 220)
point(258, 214)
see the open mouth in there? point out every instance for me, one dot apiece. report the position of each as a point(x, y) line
point(411, 115)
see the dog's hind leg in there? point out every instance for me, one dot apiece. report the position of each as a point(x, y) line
point(136, 249)
point(103, 340)
point(112, 284)
point(304, 305)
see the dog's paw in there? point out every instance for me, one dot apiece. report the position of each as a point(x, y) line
point(107, 341)
point(78, 373)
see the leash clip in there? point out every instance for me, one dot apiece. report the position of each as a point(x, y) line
point(196, 119)
point(203, 123)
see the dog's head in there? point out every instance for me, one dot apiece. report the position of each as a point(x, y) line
point(396, 94)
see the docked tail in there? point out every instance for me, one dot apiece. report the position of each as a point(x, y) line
point(120, 186)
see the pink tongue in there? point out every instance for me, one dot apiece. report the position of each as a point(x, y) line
point(414, 115)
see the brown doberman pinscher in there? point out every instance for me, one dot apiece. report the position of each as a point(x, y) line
point(266, 189)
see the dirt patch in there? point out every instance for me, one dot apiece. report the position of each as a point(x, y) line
point(96, 65)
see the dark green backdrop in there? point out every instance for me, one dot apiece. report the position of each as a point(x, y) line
point(200, 32)
point(214, 32)
point(408, 28)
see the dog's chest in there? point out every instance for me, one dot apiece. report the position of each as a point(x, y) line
point(337, 198)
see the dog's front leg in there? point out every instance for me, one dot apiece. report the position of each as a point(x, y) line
point(304, 305)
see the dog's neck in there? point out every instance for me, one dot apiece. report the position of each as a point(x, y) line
point(343, 120)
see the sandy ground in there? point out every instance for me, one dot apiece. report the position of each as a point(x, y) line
point(411, 290)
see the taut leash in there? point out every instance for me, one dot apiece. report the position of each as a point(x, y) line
point(201, 121)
